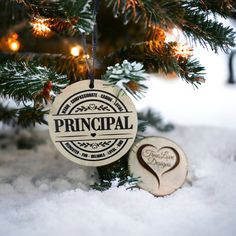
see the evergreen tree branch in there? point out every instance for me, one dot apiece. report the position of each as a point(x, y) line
point(29, 82)
point(7, 115)
point(161, 59)
point(74, 67)
point(64, 13)
point(198, 28)
point(155, 120)
point(186, 15)
point(24, 117)
point(127, 76)
point(224, 8)
point(150, 12)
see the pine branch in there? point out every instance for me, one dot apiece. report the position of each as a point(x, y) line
point(142, 125)
point(161, 59)
point(224, 8)
point(186, 15)
point(7, 115)
point(29, 116)
point(29, 82)
point(116, 172)
point(127, 76)
point(24, 117)
point(149, 12)
point(74, 67)
point(155, 120)
point(191, 71)
point(198, 28)
point(77, 14)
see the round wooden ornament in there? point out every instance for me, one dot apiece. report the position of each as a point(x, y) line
point(160, 165)
point(93, 126)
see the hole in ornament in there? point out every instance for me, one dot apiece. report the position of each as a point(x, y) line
point(91, 85)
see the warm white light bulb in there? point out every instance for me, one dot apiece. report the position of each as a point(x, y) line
point(86, 56)
point(40, 27)
point(14, 46)
point(76, 51)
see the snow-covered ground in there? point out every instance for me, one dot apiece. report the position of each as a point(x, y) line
point(42, 193)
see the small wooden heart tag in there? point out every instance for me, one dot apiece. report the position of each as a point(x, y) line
point(159, 163)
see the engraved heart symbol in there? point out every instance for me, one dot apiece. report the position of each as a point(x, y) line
point(92, 106)
point(93, 134)
point(158, 162)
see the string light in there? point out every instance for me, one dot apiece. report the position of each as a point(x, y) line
point(14, 46)
point(173, 35)
point(86, 56)
point(40, 27)
point(76, 51)
point(157, 35)
point(183, 51)
point(14, 36)
point(12, 42)
point(159, 38)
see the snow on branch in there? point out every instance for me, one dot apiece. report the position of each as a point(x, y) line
point(128, 77)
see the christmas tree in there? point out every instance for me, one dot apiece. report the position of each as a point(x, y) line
point(47, 45)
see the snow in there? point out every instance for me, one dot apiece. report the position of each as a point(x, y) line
point(42, 193)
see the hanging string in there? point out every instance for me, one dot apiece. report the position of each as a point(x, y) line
point(91, 69)
point(94, 35)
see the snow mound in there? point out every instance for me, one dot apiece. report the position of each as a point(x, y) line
point(42, 193)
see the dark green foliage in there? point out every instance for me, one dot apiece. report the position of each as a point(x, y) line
point(191, 71)
point(29, 116)
point(189, 16)
point(148, 12)
point(24, 117)
point(130, 76)
point(77, 14)
point(26, 143)
point(59, 63)
point(161, 60)
point(155, 120)
point(28, 81)
point(206, 31)
point(142, 125)
point(225, 8)
point(116, 173)
point(7, 115)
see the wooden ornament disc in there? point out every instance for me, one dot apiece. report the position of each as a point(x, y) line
point(93, 127)
point(160, 165)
